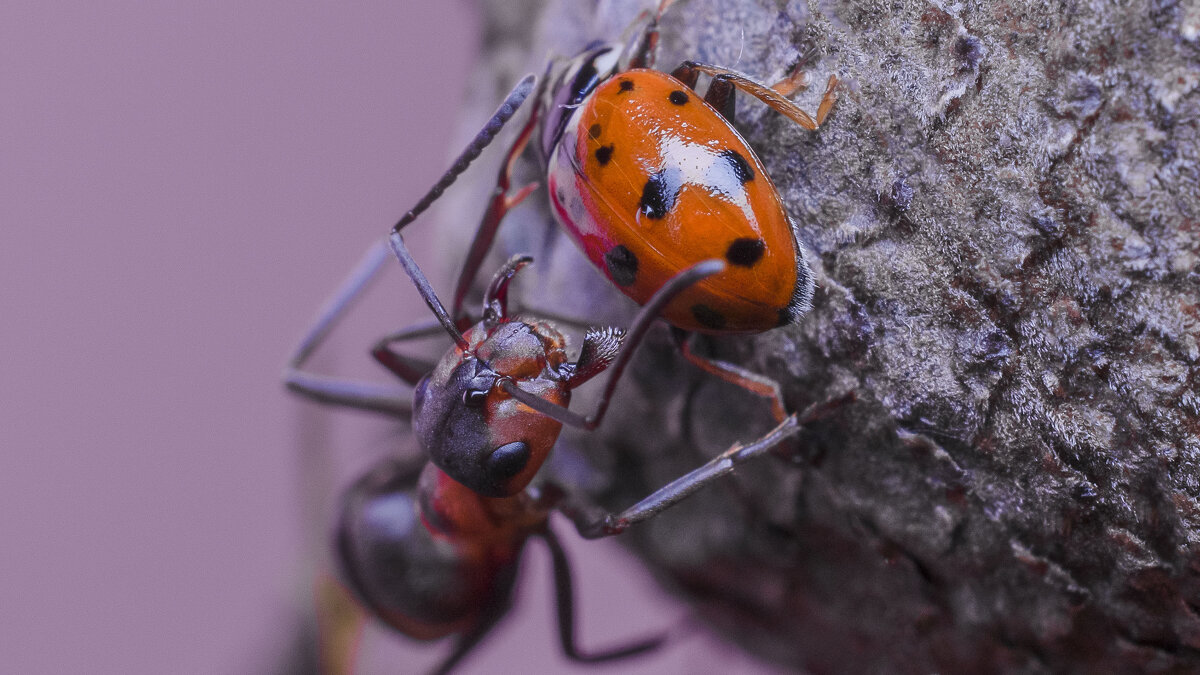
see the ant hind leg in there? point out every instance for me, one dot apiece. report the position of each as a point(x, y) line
point(564, 602)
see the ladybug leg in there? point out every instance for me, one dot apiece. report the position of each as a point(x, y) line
point(592, 524)
point(325, 389)
point(500, 205)
point(770, 96)
point(759, 385)
point(637, 330)
point(721, 95)
point(565, 605)
point(687, 75)
point(485, 136)
point(640, 49)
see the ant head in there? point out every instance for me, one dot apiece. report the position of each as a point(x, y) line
point(472, 428)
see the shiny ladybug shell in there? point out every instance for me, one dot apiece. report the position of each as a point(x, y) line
point(648, 179)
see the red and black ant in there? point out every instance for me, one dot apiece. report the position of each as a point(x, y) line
point(436, 554)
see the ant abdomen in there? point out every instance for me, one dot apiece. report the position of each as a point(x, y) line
point(422, 583)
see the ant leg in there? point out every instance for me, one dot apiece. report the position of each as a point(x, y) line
point(335, 391)
point(593, 524)
point(564, 602)
point(407, 368)
point(760, 385)
point(633, 337)
point(485, 136)
point(500, 204)
point(770, 96)
point(469, 640)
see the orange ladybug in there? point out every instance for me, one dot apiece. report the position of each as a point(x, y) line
point(649, 177)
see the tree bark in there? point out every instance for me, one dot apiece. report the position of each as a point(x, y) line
point(1003, 212)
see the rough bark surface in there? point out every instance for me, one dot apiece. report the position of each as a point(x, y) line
point(1004, 215)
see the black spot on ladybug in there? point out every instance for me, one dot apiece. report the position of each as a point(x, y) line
point(741, 168)
point(622, 265)
point(658, 196)
point(594, 131)
point(625, 85)
point(708, 317)
point(745, 252)
point(678, 97)
point(603, 154)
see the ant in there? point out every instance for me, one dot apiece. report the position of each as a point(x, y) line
point(434, 552)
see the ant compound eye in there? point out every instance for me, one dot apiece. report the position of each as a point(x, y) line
point(475, 398)
point(507, 461)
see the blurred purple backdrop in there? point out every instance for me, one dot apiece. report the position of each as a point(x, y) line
point(181, 184)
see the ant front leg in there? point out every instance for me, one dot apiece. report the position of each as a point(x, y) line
point(593, 523)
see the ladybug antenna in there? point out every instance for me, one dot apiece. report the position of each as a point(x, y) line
point(485, 136)
point(426, 290)
point(495, 301)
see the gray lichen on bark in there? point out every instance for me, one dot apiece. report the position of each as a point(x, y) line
point(1004, 215)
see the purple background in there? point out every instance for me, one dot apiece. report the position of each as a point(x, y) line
point(181, 184)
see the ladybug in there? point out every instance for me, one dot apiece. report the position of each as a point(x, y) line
point(648, 177)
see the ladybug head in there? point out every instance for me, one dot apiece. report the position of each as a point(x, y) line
point(568, 83)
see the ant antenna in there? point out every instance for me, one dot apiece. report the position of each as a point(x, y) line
point(425, 289)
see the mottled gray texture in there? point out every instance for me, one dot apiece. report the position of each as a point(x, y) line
point(1005, 212)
